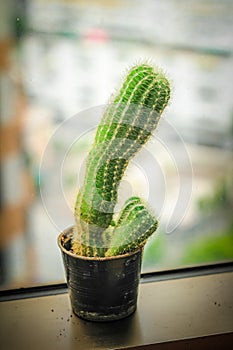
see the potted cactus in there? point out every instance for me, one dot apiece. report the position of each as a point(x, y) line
point(102, 252)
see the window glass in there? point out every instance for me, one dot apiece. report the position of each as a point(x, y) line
point(61, 58)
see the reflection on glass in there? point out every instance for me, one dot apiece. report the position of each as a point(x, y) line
point(68, 56)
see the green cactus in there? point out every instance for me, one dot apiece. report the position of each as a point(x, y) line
point(126, 125)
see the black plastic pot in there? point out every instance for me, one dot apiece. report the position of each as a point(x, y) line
point(101, 289)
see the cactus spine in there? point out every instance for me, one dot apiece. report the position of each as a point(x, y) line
point(126, 125)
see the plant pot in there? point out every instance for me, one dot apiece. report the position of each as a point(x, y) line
point(101, 289)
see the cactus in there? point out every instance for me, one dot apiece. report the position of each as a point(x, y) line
point(126, 125)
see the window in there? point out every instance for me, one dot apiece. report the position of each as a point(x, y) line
point(68, 56)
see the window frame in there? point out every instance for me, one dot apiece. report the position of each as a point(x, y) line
point(147, 277)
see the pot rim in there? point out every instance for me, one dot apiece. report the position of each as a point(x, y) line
point(68, 233)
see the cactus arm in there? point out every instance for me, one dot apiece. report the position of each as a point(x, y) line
point(135, 225)
point(129, 204)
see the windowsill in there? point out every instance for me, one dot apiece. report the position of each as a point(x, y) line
point(194, 311)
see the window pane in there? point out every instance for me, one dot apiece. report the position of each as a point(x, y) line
point(63, 57)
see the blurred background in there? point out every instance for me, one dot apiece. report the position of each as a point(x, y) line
point(59, 58)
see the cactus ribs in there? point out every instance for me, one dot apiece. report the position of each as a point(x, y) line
point(126, 125)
